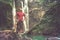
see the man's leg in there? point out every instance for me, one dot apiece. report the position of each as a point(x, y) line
point(20, 27)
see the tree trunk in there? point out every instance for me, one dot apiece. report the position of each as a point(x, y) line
point(14, 16)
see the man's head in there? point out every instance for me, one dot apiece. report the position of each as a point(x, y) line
point(19, 9)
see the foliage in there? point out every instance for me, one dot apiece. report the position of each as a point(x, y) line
point(50, 24)
point(7, 2)
point(6, 16)
point(50, 21)
point(36, 8)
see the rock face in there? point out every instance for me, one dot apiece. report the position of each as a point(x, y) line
point(8, 36)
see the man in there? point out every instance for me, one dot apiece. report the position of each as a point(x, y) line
point(20, 19)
